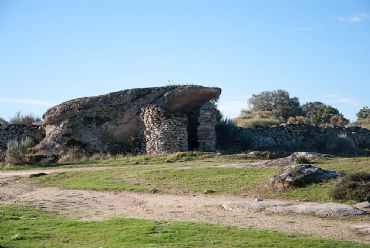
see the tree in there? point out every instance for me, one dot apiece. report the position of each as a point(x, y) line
point(363, 113)
point(278, 102)
point(310, 107)
point(321, 113)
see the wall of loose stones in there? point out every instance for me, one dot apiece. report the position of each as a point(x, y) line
point(18, 131)
point(164, 132)
point(302, 136)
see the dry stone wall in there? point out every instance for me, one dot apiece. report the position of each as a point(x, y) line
point(206, 132)
point(164, 132)
point(302, 137)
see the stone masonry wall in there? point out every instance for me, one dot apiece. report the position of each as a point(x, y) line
point(164, 132)
point(19, 131)
point(206, 131)
point(302, 136)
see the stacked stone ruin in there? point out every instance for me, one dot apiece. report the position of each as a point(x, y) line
point(164, 132)
point(167, 132)
point(206, 132)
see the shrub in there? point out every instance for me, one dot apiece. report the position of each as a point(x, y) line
point(365, 123)
point(320, 113)
point(302, 160)
point(229, 136)
point(18, 118)
point(250, 119)
point(341, 144)
point(256, 122)
point(16, 150)
point(101, 156)
point(353, 187)
point(299, 120)
point(74, 154)
point(339, 121)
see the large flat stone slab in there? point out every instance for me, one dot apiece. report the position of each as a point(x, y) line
point(285, 207)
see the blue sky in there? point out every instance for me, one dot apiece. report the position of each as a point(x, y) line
point(53, 51)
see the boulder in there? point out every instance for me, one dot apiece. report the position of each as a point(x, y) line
point(107, 123)
point(300, 176)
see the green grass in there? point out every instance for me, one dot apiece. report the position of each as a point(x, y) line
point(122, 160)
point(162, 179)
point(190, 177)
point(25, 227)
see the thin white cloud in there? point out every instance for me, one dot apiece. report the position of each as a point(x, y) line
point(355, 18)
point(342, 100)
point(349, 101)
point(26, 101)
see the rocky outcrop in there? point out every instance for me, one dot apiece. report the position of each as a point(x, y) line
point(301, 175)
point(18, 132)
point(108, 122)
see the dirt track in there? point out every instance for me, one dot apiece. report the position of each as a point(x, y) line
point(99, 205)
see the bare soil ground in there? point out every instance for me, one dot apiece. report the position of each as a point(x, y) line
point(99, 205)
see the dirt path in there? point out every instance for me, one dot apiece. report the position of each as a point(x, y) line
point(99, 205)
point(23, 173)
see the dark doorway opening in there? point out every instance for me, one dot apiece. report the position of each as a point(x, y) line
point(192, 130)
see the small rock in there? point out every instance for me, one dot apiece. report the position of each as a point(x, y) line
point(258, 199)
point(364, 206)
point(17, 237)
point(38, 174)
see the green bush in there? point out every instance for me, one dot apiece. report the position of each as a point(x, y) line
point(230, 136)
point(16, 150)
point(341, 144)
point(353, 187)
point(302, 160)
